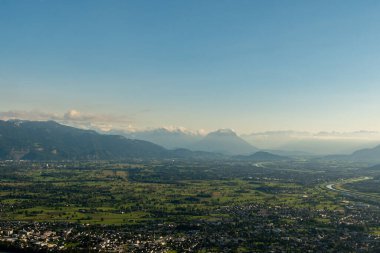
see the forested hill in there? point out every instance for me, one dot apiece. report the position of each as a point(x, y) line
point(48, 140)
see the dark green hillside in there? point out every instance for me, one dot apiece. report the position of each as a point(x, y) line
point(49, 140)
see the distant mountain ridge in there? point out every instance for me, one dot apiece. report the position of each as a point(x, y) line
point(170, 139)
point(262, 156)
point(320, 143)
point(287, 143)
point(48, 140)
point(224, 141)
point(368, 155)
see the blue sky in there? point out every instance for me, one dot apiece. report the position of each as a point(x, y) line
point(246, 65)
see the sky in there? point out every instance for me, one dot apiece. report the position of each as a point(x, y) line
point(248, 65)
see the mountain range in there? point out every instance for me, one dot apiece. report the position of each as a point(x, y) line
point(224, 141)
point(49, 140)
point(168, 138)
point(33, 140)
point(287, 143)
point(368, 155)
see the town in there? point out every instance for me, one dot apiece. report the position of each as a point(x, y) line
point(158, 206)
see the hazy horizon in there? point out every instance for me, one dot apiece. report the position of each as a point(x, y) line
point(171, 137)
point(101, 123)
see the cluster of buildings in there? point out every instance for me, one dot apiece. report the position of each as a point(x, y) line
point(250, 227)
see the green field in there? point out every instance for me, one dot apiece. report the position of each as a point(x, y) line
point(133, 193)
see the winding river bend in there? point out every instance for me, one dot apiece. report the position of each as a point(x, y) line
point(337, 187)
point(333, 188)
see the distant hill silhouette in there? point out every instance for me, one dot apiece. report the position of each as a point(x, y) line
point(262, 156)
point(170, 139)
point(371, 155)
point(31, 140)
point(224, 141)
point(368, 155)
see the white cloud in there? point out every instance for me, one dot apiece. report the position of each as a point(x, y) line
point(74, 118)
point(72, 114)
point(184, 130)
point(102, 122)
point(28, 115)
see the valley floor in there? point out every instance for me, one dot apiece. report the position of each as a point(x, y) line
point(188, 206)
